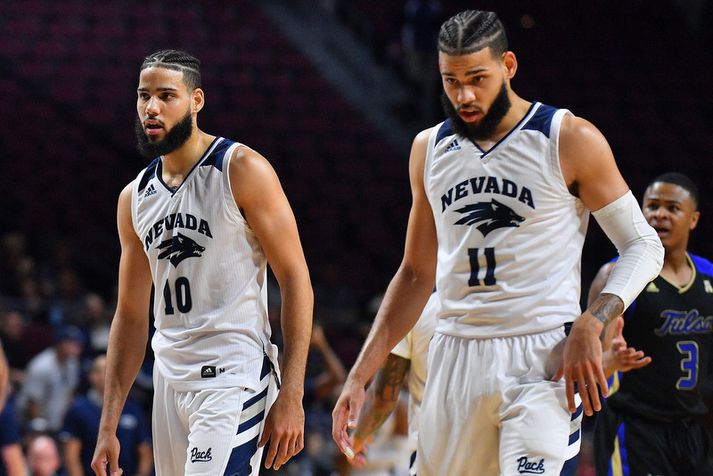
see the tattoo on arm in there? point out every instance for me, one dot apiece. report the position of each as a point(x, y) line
point(382, 395)
point(606, 307)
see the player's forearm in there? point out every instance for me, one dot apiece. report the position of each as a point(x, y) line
point(374, 413)
point(606, 308)
point(381, 398)
point(297, 307)
point(127, 346)
point(403, 302)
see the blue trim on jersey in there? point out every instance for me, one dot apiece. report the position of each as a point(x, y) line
point(266, 367)
point(255, 399)
point(444, 131)
point(239, 461)
point(149, 173)
point(541, 120)
point(574, 437)
point(702, 265)
point(577, 413)
point(216, 157)
point(159, 169)
point(621, 434)
point(570, 466)
point(517, 127)
point(246, 425)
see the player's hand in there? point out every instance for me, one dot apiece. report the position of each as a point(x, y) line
point(346, 415)
point(360, 448)
point(284, 429)
point(582, 364)
point(619, 357)
point(107, 452)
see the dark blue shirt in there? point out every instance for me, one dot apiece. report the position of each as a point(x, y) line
point(9, 429)
point(82, 422)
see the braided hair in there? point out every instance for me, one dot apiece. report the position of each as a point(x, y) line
point(176, 60)
point(470, 31)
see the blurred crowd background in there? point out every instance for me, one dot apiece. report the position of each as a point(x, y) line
point(331, 92)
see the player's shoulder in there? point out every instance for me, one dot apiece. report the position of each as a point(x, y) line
point(703, 265)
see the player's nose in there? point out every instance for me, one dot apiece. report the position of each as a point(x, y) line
point(152, 107)
point(466, 95)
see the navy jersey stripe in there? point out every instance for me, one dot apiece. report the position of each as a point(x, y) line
point(149, 173)
point(445, 130)
point(216, 156)
point(541, 120)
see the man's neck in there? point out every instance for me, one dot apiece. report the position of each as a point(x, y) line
point(181, 161)
point(178, 164)
point(676, 268)
point(518, 110)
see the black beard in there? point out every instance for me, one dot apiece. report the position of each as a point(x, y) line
point(175, 138)
point(488, 124)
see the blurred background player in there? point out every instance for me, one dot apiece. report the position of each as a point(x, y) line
point(406, 363)
point(652, 423)
point(81, 426)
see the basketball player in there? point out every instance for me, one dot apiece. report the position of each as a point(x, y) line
point(406, 362)
point(501, 193)
point(201, 222)
point(652, 423)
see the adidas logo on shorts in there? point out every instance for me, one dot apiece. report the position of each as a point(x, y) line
point(208, 371)
point(150, 191)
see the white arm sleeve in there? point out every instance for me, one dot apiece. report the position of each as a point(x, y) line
point(640, 250)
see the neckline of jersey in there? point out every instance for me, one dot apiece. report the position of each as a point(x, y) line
point(687, 286)
point(533, 107)
point(206, 154)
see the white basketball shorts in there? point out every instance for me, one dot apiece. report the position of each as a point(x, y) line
point(490, 408)
point(211, 432)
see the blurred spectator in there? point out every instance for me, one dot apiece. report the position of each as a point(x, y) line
point(422, 20)
point(68, 303)
point(81, 424)
point(12, 330)
point(43, 457)
point(51, 379)
point(12, 254)
point(12, 461)
point(96, 324)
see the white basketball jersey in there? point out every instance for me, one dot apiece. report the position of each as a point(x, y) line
point(510, 234)
point(414, 347)
point(209, 275)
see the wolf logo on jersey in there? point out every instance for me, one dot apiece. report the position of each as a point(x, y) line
point(179, 248)
point(489, 216)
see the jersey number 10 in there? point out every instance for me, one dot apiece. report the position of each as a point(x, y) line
point(184, 303)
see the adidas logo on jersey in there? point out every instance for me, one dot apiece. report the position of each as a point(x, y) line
point(453, 146)
point(208, 371)
point(707, 286)
point(150, 191)
point(652, 288)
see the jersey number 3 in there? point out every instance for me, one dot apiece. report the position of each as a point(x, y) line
point(689, 364)
point(489, 278)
